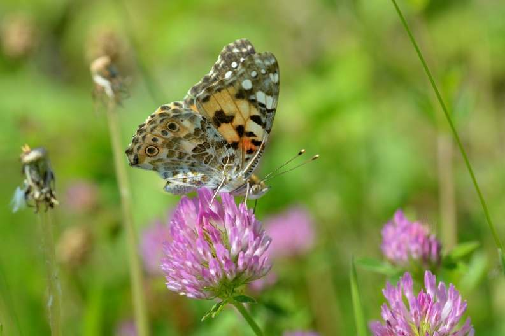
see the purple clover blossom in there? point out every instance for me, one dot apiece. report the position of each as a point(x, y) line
point(292, 233)
point(404, 241)
point(434, 312)
point(151, 245)
point(300, 333)
point(126, 328)
point(82, 196)
point(215, 248)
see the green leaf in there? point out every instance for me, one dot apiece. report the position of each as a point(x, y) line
point(244, 299)
point(275, 308)
point(359, 316)
point(502, 260)
point(377, 266)
point(215, 310)
point(476, 272)
point(462, 250)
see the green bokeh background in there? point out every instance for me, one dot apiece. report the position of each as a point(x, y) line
point(352, 90)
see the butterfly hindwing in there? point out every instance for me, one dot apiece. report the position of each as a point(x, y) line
point(179, 144)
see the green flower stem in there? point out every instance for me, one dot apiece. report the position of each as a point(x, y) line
point(240, 307)
point(124, 192)
point(53, 280)
point(451, 124)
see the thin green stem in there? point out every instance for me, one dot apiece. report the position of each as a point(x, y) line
point(53, 280)
point(240, 307)
point(124, 192)
point(451, 124)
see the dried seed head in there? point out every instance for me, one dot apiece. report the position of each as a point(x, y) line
point(18, 35)
point(105, 42)
point(38, 186)
point(74, 246)
point(107, 79)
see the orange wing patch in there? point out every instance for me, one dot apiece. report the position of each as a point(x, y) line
point(236, 119)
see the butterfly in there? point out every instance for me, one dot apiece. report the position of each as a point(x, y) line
point(215, 137)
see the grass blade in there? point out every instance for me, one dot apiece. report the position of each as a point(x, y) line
point(451, 124)
point(359, 316)
point(502, 260)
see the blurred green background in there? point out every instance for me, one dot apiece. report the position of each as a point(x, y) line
point(352, 90)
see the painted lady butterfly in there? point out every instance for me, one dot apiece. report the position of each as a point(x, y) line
point(216, 136)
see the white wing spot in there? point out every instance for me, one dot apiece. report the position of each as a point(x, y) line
point(260, 97)
point(235, 50)
point(274, 77)
point(254, 73)
point(228, 74)
point(270, 102)
point(241, 59)
point(234, 64)
point(247, 84)
point(263, 71)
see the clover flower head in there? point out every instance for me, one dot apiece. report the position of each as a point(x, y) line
point(404, 241)
point(300, 333)
point(82, 196)
point(215, 247)
point(435, 311)
point(292, 233)
point(151, 245)
point(126, 328)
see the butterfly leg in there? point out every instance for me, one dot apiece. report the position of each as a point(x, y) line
point(247, 190)
point(255, 205)
point(217, 190)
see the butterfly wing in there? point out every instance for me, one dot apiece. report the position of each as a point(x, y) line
point(239, 97)
point(181, 145)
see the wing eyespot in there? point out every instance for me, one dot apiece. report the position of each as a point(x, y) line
point(172, 126)
point(152, 151)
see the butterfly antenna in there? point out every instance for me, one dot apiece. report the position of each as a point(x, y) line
point(267, 177)
point(271, 175)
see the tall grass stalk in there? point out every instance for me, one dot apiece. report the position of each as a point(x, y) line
point(451, 124)
point(53, 280)
point(136, 277)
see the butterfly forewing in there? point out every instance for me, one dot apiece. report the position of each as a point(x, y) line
point(241, 103)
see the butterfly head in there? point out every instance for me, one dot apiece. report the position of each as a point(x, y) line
point(258, 190)
point(253, 187)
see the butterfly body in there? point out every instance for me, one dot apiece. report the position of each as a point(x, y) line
point(216, 136)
